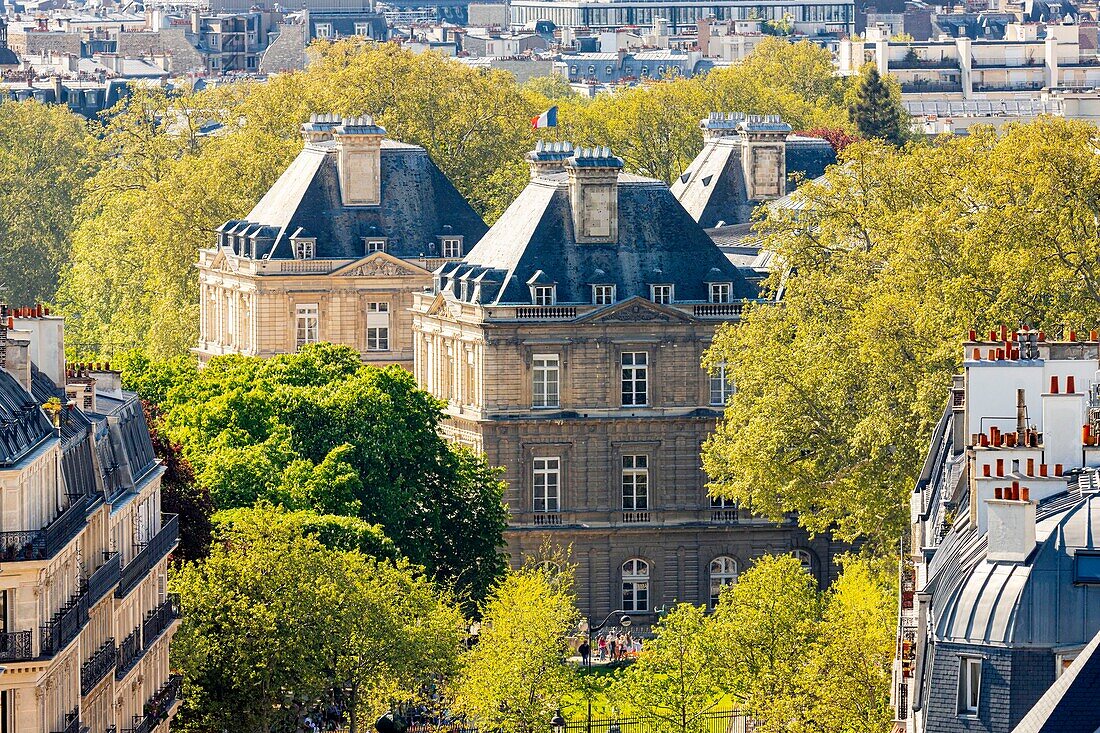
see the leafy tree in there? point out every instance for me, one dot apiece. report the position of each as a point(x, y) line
point(765, 627)
point(876, 109)
point(333, 531)
point(514, 679)
point(675, 680)
point(46, 155)
point(179, 494)
point(277, 625)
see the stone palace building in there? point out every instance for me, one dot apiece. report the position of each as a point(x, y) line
point(85, 617)
point(335, 249)
point(568, 346)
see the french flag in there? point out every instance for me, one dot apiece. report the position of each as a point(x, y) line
point(549, 118)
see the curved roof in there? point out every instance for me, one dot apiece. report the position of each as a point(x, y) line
point(1031, 603)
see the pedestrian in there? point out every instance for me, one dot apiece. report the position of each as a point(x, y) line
point(614, 644)
point(586, 653)
point(602, 642)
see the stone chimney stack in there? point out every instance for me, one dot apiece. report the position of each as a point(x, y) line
point(46, 337)
point(358, 146)
point(319, 128)
point(764, 156)
point(1010, 520)
point(718, 125)
point(594, 194)
point(549, 157)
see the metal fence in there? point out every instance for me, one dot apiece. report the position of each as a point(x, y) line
point(709, 722)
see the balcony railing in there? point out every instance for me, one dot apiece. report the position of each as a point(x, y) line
point(16, 646)
point(65, 625)
point(104, 580)
point(159, 619)
point(72, 722)
point(101, 662)
point(923, 64)
point(129, 652)
point(546, 312)
point(158, 706)
point(61, 531)
point(42, 544)
point(27, 544)
point(138, 568)
point(547, 519)
point(929, 87)
point(718, 310)
point(635, 517)
point(723, 516)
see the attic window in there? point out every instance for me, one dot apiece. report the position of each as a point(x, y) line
point(451, 246)
point(374, 245)
point(603, 294)
point(305, 249)
point(544, 294)
point(661, 294)
point(720, 292)
point(1086, 568)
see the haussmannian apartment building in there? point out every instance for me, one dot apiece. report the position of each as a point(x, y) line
point(568, 345)
point(85, 617)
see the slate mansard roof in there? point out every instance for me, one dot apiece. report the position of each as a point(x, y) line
point(418, 206)
point(534, 242)
point(23, 424)
point(1073, 702)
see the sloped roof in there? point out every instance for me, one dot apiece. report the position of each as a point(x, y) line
point(713, 189)
point(1072, 703)
point(418, 205)
point(657, 243)
point(23, 425)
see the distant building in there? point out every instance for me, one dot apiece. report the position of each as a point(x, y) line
point(746, 161)
point(335, 249)
point(8, 60)
point(610, 69)
point(1001, 578)
point(490, 43)
point(567, 346)
point(87, 620)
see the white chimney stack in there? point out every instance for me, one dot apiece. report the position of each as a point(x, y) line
point(1010, 534)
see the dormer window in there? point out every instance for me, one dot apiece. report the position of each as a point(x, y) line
point(720, 292)
point(305, 249)
point(451, 246)
point(544, 294)
point(661, 294)
point(603, 294)
point(374, 245)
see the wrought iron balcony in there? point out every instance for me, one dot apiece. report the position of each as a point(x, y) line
point(23, 545)
point(61, 531)
point(159, 619)
point(158, 707)
point(129, 652)
point(142, 564)
point(42, 544)
point(65, 625)
point(16, 646)
point(72, 722)
point(104, 580)
point(101, 662)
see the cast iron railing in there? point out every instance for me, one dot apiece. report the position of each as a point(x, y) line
point(103, 580)
point(72, 722)
point(29, 544)
point(102, 661)
point(161, 544)
point(16, 646)
point(65, 625)
point(158, 706)
point(159, 619)
point(61, 530)
point(129, 652)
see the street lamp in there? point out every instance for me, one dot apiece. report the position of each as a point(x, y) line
point(557, 723)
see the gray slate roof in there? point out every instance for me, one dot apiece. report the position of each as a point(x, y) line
point(658, 243)
point(1032, 603)
point(418, 205)
point(23, 424)
point(1072, 703)
point(713, 190)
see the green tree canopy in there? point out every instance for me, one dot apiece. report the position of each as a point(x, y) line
point(876, 108)
point(887, 263)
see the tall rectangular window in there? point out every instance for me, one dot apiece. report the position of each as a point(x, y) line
point(635, 378)
point(452, 247)
point(545, 380)
point(603, 294)
point(719, 292)
point(546, 485)
point(543, 295)
point(720, 386)
point(661, 294)
point(362, 29)
point(635, 483)
point(970, 684)
point(307, 325)
point(378, 326)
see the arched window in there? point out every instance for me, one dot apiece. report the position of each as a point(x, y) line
point(723, 572)
point(805, 559)
point(635, 585)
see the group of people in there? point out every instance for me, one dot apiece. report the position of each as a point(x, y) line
point(612, 646)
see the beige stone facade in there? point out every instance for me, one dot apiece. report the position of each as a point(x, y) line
point(86, 618)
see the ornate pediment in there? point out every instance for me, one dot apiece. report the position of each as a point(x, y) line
point(380, 264)
point(440, 308)
point(637, 310)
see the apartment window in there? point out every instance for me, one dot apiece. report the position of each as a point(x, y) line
point(307, 324)
point(543, 294)
point(720, 386)
point(362, 29)
point(805, 560)
point(970, 685)
point(603, 294)
point(635, 585)
point(304, 250)
point(723, 572)
point(378, 326)
point(719, 292)
point(546, 374)
point(547, 485)
point(661, 294)
point(251, 62)
point(635, 483)
point(374, 245)
point(324, 30)
point(1086, 567)
point(452, 247)
point(635, 378)
point(722, 502)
